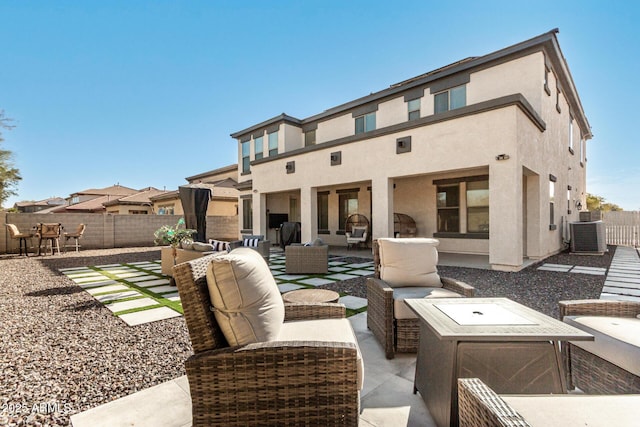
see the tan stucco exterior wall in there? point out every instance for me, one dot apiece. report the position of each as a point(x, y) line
point(462, 146)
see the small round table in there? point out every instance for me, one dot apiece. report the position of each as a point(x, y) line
point(311, 296)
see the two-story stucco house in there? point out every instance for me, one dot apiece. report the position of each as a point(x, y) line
point(488, 155)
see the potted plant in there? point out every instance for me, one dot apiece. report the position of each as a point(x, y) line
point(173, 236)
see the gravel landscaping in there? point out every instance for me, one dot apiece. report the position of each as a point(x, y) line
point(62, 352)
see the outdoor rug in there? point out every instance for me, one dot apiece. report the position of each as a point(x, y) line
point(139, 293)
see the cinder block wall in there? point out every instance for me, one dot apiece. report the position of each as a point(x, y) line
point(111, 231)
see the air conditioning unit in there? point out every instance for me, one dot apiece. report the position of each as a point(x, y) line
point(588, 237)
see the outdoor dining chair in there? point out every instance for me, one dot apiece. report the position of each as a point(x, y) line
point(50, 234)
point(75, 236)
point(15, 233)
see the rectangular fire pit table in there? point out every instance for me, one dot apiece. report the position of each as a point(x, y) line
point(511, 348)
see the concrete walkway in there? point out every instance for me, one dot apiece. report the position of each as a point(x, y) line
point(623, 277)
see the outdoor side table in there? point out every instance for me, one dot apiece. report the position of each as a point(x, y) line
point(311, 296)
point(511, 348)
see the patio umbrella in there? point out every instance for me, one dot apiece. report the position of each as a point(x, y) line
point(195, 200)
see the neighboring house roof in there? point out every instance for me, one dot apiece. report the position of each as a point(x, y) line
point(142, 197)
point(169, 195)
point(114, 190)
point(93, 205)
point(547, 43)
point(52, 201)
point(225, 169)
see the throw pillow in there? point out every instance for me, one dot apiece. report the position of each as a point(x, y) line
point(202, 247)
point(251, 243)
point(219, 245)
point(409, 262)
point(357, 232)
point(246, 300)
point(318, 242)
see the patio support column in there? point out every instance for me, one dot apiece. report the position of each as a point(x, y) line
point(505, 216)
point(260, 224)
point(308, 213)
point(382, 207)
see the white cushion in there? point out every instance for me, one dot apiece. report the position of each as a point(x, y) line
point(616, 339)
point(246, 300)
point(323, 330)
point(571, 410)
point(402, 310)
point(409, 262)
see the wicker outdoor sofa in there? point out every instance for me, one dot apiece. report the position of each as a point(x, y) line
point(265, 383)
point(399, 332)
point(608, 371)
point(480, 406)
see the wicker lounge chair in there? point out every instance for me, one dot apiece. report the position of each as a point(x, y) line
point(396, 330)
point(265, 383)
point(480, 406)
point(302, 259)
point(610, 364)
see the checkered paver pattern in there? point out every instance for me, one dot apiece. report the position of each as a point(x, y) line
point(138, 292)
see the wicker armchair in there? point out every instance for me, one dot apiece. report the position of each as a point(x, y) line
point(589, 372)
point(262, 246)
point(480, 406)
point(265, 383)
point(302, 259)
point(399, 334)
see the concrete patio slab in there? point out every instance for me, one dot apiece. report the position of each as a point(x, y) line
point(108, 288)
point(353, 303)
point(146, 316)
point(118, 295)
point(165, 405)
point(128, 305)
point(316, 281)
point(286, 287)
point(156, 282)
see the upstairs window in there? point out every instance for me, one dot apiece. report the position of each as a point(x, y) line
point(273, 144)
point(310, 138)
point(413, 108)
point(259, 147)
point(366, 123)
point(246, 150)
point(450, 99)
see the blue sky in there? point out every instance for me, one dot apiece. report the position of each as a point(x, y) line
point(146, 93)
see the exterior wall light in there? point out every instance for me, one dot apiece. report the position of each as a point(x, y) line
point(502, 157)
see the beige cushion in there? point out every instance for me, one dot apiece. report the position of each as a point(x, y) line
point(577, 410)
point(247, 302)
point(616, 339)
point(402, 310)
point(201, 247)
point(409, 262)
point(323, 330)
